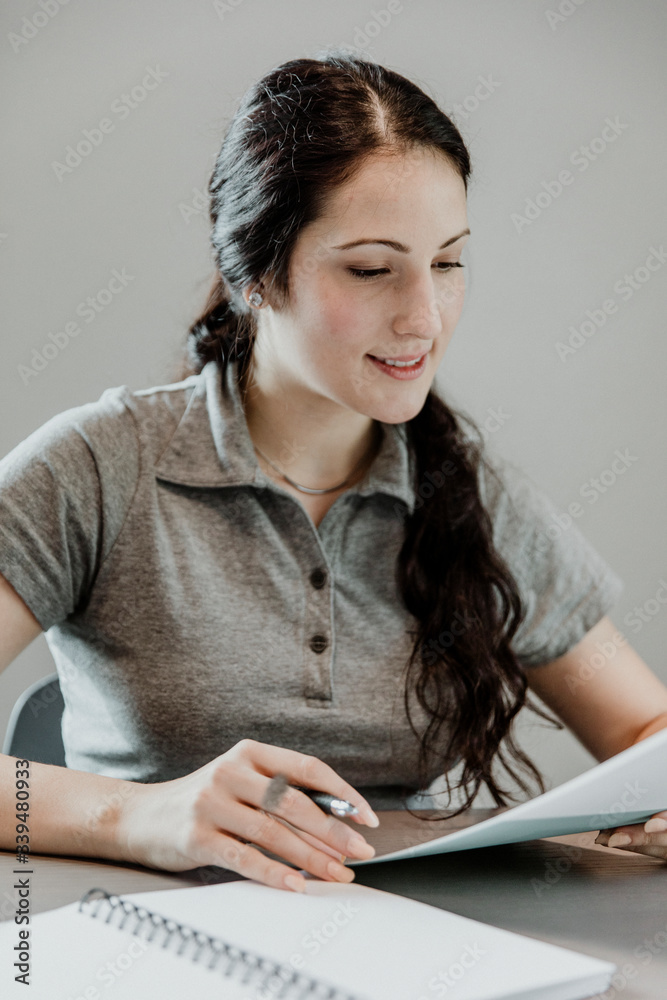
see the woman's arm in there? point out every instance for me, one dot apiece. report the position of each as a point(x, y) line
point(603, 691)
point(214, 815)
point(606, 694)
point(71, 812)
point(18, 625)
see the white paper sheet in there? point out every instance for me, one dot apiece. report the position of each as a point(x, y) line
point(627, 788)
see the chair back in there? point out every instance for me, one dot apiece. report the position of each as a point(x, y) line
point(34, 727)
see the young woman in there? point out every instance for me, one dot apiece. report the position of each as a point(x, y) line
point(295, 559)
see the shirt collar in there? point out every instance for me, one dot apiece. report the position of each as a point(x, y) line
point(212, 447)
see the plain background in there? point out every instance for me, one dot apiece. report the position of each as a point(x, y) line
point(528, 83)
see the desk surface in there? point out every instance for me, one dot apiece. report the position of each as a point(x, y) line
point(566, 890)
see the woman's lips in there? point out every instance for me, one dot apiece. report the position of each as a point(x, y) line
point(402, 374)
point(399, 357)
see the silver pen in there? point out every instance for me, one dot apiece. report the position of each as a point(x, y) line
point(329, 803)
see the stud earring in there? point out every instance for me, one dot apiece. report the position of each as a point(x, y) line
point(255, 299)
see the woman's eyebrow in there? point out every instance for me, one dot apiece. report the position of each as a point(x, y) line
point(401, 247)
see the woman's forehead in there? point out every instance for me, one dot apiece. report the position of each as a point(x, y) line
point(425, 195)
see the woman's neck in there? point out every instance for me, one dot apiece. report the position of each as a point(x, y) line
point(315, 442)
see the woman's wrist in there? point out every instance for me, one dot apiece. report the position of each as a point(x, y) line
point(71, 812)
point(126, 826)
point(149, 826)
point(100, 829)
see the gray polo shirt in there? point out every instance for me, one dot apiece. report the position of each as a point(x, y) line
point(189, 601)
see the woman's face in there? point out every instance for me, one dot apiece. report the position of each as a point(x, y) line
point(321, 344)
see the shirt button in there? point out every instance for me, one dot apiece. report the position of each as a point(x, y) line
point(318, 578)
point(318, 643)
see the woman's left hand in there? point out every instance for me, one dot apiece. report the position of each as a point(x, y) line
point(643, 838)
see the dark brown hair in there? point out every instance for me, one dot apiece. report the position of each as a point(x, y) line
point(299, 132)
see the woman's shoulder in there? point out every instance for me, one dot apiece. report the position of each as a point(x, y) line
point(566, 584)
point(536, 537)
point(155, 411)
point(519, 510)
point(67, 489)
point(116, 429)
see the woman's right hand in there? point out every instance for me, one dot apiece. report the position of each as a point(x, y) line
point(214, 816)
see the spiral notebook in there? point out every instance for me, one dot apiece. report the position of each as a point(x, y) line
point(246, 941)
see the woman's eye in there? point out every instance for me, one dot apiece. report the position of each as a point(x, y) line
point(358, 272)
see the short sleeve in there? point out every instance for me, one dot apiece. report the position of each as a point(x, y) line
point(64, 494)
point(566, 586)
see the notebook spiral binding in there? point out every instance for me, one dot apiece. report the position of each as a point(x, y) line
point(269, 979)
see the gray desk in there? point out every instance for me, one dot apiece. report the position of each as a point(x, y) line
point(565, 890)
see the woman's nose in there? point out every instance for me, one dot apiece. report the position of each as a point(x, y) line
point(420, 314)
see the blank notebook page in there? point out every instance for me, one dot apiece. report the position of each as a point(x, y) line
point(373, 945)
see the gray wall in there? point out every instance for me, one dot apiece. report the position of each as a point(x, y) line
point(529, 87)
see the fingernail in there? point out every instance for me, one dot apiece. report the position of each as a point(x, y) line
point(371, 818)
point(619, 840)
point(357, 846)
point(655, 825)
point(338, 872)
point(296, 882)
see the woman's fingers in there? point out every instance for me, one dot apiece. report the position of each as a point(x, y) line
point(634, 837)
point(265, 830)
point(657, 823)
point(300, 811)
point(228, 852)
point(306, 770)
point(314, 842)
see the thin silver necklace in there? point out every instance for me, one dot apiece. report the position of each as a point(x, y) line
point(306, 489)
